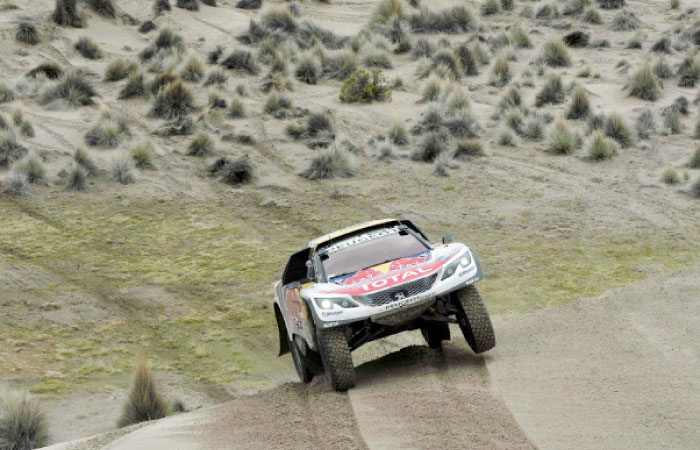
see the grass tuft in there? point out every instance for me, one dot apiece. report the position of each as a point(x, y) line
point(108, 132)
point(121, 169)
point(27, 33)
point(52, 71)
point(616, 127)
point(135, 87)
point(398, 135)
point(580, 107)
point(6, 93)
point(308, 69)
point(490, 7)
point(11, 150)
point(16, 185)
point(32, 167)
point(319, 124)
point(442, 165)
point(190, 5)
point(330, 163)
point(561, 140)
point(192, 70)
point(468, 148)
point(104, 8)
point(240, 171)
point(551, 93)
point(144, 402)
point(670, 176)
point(87, 48)
point(554, 53)
point(202, 146)
point(249, 4)
point(577, 39)
point(161, 6)
point(601, 147)
point(386, 11)
point(625, 20)
point(236, 109)
point(82, 158)
point(76, 178)
point(673, 120)
point(592, 16)
point(507, 138)
point(174, 101)
point(23, 425)
point(119, 69)
point(241, 60)
point(430, 146)
point(66, 14)
point(142, 155)
point(500, 72)
point(694, 162)
point(645, 125)
point(611, 4)
point(73, 91)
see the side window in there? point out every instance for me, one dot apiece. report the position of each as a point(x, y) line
point(296, 267)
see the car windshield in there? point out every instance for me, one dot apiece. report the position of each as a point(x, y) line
point(357, 254)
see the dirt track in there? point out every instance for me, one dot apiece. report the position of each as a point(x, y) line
point(616, 372)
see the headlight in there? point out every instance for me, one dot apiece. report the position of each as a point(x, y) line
point(463, 261)
point(328, 303)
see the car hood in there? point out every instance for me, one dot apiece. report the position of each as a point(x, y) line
point(383, 276)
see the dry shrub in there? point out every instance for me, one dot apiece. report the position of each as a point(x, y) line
point(144, 402)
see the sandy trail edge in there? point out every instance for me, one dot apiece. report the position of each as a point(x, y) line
point(619, 371)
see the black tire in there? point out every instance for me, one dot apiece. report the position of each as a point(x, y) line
point(435, 332)
point(300, 364)
point(336, 358)
point(474, 320)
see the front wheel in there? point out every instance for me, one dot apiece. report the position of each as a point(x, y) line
point(473, 319)
point(300, 364)
point(336, 358)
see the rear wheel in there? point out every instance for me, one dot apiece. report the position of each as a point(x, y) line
point(474, 320)
point(435, 332)
point(300, 364)
point(336, 357)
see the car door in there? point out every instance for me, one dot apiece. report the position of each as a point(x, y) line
point(292, 280)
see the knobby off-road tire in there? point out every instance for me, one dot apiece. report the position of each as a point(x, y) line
point(336, 357)
point(435, 332)
point(474, 320)
point(300, 363)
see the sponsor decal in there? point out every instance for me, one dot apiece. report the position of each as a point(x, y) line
point(363, 275)
point(407, 301)
point(406, 262)
point(294, 307)
point(472, 280)
point(330, 313)
point(330, 324)
point(392, 279)
point(360, 238)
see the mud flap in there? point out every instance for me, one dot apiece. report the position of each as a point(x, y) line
point(282, 329)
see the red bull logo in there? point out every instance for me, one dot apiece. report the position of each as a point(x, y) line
point(405, 262)
point(364, 275)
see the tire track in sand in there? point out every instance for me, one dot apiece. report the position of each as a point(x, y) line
point(418, 398)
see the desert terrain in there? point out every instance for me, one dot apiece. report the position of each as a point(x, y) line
point(573, 175)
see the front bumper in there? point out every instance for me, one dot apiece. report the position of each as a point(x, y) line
point(409, 307)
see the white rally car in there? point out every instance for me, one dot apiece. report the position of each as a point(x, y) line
point(369, 281)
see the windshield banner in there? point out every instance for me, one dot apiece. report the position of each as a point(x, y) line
point(360, 238)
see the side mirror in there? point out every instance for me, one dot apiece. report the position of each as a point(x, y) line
point(310, 270)
point(447, 239)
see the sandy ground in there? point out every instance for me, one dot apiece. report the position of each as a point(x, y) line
point(618, 372)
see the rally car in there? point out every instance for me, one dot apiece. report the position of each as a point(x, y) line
point(370, 281)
